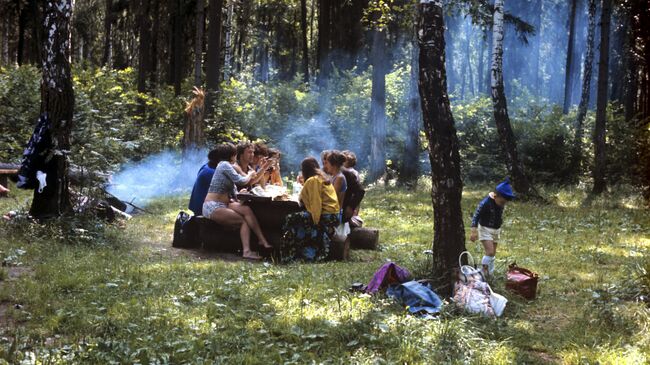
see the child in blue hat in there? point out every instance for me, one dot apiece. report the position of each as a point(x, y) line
point(487, 220)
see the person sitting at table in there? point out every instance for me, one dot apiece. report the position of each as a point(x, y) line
point(220, 204)
point(246, 162)
point(308, 234)
point(276, 177)
point(333, 160)
point(202, 183)
point(355, 192)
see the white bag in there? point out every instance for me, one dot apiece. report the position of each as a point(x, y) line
point(498, 302)
point(342, 231)
point(469, 272)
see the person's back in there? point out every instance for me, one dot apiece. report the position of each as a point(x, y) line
point(200, 189)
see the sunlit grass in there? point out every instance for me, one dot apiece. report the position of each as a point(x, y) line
point(139, 300)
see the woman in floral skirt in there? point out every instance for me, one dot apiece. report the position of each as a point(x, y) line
point(307, 234)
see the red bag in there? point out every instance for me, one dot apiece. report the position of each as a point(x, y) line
point(521, 281)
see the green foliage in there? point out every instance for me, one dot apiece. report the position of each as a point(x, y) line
point(20, 102)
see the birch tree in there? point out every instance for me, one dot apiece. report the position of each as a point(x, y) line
point(447, 186)
point(501, 118)
point(57, 101)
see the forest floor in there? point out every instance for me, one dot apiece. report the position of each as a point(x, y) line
point(134, 299)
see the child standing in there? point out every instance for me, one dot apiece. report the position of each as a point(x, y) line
point(487, 220)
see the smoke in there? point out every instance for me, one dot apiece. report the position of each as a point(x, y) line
point(167, 173)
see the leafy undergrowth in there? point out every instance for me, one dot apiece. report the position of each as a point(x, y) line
point(131, 298)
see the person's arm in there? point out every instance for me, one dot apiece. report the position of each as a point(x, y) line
point(231, 173)
point(338, 185)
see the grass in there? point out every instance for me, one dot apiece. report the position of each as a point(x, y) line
point(124, 295)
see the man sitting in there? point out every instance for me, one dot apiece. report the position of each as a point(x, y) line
point(202, 183)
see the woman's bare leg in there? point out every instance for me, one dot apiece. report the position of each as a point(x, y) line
point(229, 217)
point(250, 218)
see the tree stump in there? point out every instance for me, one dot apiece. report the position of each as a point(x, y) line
point(339, 250)
point(364, 238)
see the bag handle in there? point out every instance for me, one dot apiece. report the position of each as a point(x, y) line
point(469, 257)
point(515, 268)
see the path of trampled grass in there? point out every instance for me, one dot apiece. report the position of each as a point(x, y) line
point(140, 301)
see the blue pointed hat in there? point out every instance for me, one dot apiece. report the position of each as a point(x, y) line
point(505, 190)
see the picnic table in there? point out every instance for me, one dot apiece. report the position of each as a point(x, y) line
point(7, 170)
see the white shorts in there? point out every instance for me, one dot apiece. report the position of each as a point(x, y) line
point(488, 234)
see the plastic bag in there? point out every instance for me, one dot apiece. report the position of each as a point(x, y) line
point(342, 231)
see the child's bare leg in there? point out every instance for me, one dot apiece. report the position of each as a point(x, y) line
point(488, 260)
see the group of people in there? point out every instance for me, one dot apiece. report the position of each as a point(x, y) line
point(331, 196)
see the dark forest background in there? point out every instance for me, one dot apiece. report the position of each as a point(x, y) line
point(306, 75)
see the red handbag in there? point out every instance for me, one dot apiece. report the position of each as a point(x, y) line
point(521, 281)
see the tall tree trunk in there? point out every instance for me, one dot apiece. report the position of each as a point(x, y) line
point(447, 186)
point(323, 59)
point(178, 46)
point(488, 64)
point(213, 56)
point(57, 100)
point(108, 29)
point(4, 52)
point(144, 68)
point(601, 102)
point(570, 62)
point(22, 27)
point(411, 161)
point(153, 74)
point(227, 64)
point(305, 47)
point(452, 29)
point(480, 65)
point(535, 69)
point(378, 105)
point(507, 137)
point(576, 152)
point(198, 42)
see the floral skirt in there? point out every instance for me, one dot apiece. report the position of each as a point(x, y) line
point(302, 239)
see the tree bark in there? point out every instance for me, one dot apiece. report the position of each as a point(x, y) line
point(198, 42)
point(305, 47)
point(57, 100)
point(178, 39)
point(144, 68)
point(601, 102)
point(378, 105)
point(324, 66)
point(570, 63)
point(108, 29)
point(447, 186)
point(507, 137)
point(535, 69)
point(153, 74)
point(576, 152)
point(227, 64)
point(213, 56)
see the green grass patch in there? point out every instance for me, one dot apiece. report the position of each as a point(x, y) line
point(126, 296)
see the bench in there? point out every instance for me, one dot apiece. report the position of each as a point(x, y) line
point(6, 171)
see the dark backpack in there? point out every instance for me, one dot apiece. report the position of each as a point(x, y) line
point(186, 231)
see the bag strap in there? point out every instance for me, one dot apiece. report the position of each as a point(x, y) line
point(469, 257)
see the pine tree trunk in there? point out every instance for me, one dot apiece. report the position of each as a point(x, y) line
point(228, 52)
point(213, 55)
point(305, 47)
point(447, 186)
point(601, 102)
point(178, 39)
point(198, 42)
point(153, 74)
point(324, 35)
point(576, 152)
point(144, 67)
point(57, 100)
point(535, 71)
point(452, 29)
point(108, 28)
point(410, 165)
point(570, 63)
point(378, 105)
point(507, 137)
point(479, 79)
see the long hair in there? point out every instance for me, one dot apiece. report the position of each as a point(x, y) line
point(309, 167)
